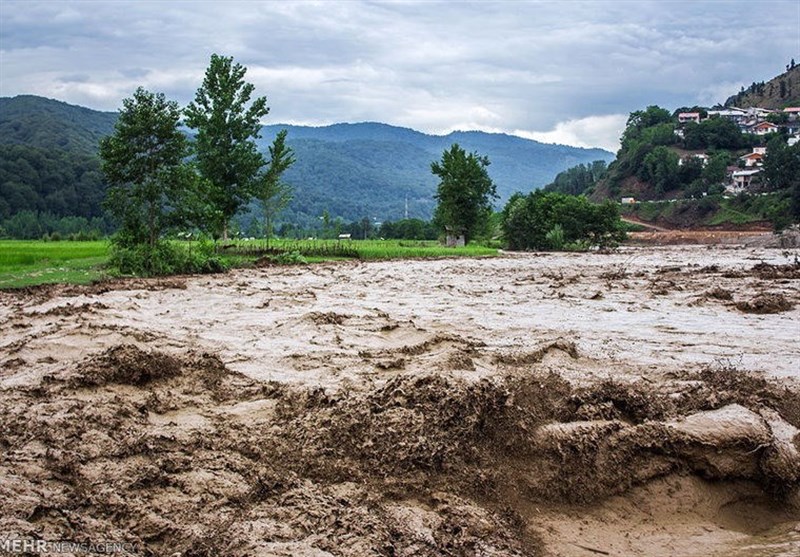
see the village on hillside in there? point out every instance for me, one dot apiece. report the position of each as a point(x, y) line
point(745, 175)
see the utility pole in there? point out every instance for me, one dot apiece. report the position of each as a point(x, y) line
point(406, 206)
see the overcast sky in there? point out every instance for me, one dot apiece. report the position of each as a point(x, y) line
point(567, 72)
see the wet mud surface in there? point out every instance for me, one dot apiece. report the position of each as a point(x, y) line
point(644, 402)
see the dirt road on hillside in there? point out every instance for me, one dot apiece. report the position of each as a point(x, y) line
point(644, 402)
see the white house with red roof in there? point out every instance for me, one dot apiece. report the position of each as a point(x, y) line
point(684, 117)
point(763, 128)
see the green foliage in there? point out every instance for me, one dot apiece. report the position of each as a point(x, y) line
point(641, 120)
point(49, 181)
point(268, 188)
point(49, 125)
point(289, 258)
point(660, 168)
point(143, 162)
point(555, 238)
point(782, 164)
point(578, 179)
point(227, 155)
point(28, 225)
point(714, 133)
point(465, 192)
point(782, 172)
point(549, 220)
point(715, 210)
point(165, 258)
point(358, 249)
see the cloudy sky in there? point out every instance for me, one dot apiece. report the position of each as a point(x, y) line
point(567, 72)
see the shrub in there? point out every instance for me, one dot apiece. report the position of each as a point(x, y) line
point(550, 220)
point(165, 258)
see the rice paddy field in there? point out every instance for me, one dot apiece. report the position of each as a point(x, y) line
point(30, 262)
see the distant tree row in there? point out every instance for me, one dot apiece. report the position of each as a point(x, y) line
point(49, 181)
point(31, 225)
point(579, 179)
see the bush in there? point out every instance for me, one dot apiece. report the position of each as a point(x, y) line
point(289, 258)
point(549, 220)
point(165, 258)
point(556, 237)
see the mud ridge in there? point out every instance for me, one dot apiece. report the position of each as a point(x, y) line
point(177, 453)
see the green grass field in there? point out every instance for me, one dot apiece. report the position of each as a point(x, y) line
point(359, 249)
point(32, 262)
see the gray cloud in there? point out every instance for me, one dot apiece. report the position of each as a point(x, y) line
point(558, 71)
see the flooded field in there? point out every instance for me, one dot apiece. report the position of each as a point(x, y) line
point(643, 402)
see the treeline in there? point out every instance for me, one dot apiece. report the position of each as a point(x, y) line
point(364, 229)
point(49, 181)
point(579, 179)
point(29, 225)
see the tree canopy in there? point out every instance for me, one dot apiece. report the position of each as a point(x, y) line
point(143, 162)
point(551, 220)
point(227, 124)
point(464, 194)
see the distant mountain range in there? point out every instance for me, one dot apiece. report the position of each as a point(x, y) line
point(350, 170)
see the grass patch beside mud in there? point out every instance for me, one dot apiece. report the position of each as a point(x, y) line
point(30, 262)
point(357, 249)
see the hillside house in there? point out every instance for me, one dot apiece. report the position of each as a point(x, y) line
point(736, 115)
point(684, 117)
point(743, 179)
point(752, 159)
point(793, 112)
point(762, 128)
point(702, 157)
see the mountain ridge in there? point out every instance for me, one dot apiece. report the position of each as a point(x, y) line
point(350, 170)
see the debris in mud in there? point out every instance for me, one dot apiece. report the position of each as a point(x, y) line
point(767, 271)
point(400, 467)
point(719, 293)
point(613, 400)
point(127, 365)
point(765, 303)
point(326, 318)
point(536, 356)
point(379, 439)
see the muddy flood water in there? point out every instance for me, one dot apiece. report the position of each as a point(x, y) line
point(644, 402)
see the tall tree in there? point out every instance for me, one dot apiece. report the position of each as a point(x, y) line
point(465, 192)
point(227, 125)
point(143, 163)
point(269, 189)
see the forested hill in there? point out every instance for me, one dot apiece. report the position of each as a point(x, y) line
point(48, 164)
point(375, 166)
point(50, 124)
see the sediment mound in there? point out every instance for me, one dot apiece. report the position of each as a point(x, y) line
point(176, 453)
point(765, 303)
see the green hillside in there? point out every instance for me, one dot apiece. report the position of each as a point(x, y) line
point(49, 165)
point(50, 124)
point(370, 158)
